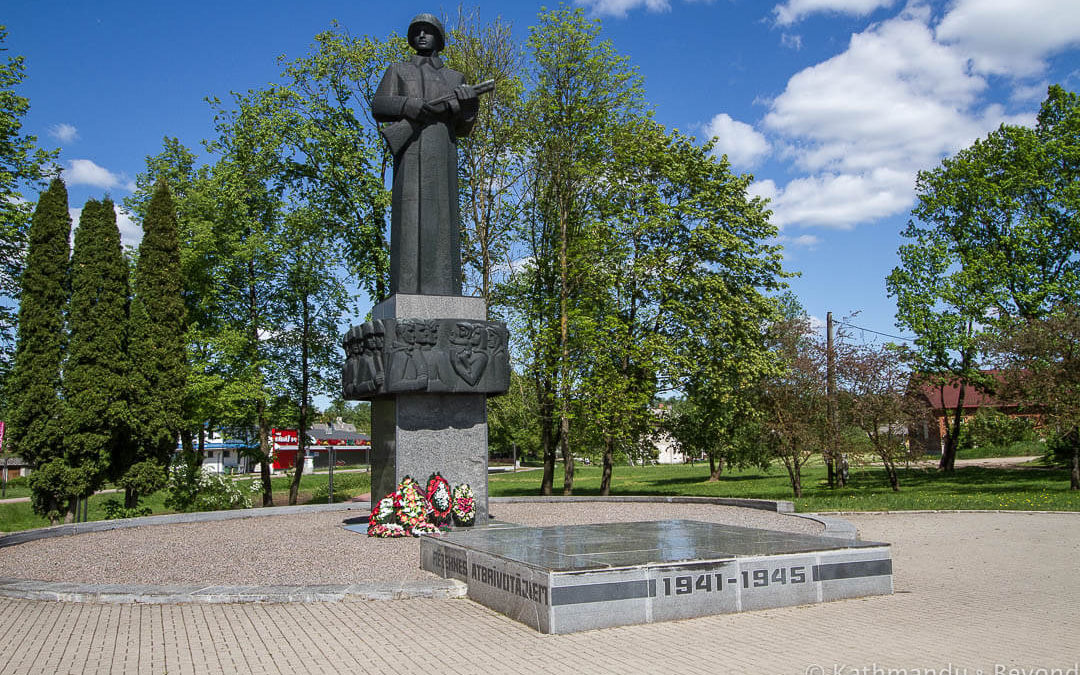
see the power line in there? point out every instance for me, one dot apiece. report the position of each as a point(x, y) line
point(875, 332)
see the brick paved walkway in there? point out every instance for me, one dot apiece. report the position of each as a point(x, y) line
point(976, 592)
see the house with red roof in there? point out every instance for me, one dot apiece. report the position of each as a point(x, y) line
point(943, 400)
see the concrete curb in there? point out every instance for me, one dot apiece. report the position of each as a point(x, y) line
point(835, 528)
point(777, 506)
point(58, 591)
point(185, 595)
point(171, 519)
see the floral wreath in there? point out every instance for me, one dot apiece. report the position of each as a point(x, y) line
point(409, 511)
point(464, 509)
point(439, 499)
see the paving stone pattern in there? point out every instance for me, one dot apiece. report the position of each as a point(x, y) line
point(983, 591)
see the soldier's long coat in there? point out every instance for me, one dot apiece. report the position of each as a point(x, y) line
point(425, 246)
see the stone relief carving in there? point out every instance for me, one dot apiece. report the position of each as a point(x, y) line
point(425, 355)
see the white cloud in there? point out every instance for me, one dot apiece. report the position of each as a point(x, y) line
point(64, 132)
point(130, 233)
point(1011, 37)
point(842, 200)
point(805, 241)
point(894, 96)
point(86, 172)
point(795, 10)
point(862, 123)
point(619, 8)
point(791, 41)
point(743, 145)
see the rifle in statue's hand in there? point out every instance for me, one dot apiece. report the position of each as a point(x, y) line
point(401, 133)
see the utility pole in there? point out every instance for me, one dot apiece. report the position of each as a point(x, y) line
point(836, 477)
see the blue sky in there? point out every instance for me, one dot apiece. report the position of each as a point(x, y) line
point(833, 105)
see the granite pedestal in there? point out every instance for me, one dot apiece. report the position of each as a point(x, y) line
point(566, 579)
point(417, 434)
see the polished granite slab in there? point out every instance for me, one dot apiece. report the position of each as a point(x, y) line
point(564, 548)
point(562, 579)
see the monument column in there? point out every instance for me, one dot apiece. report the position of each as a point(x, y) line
point(428, 358)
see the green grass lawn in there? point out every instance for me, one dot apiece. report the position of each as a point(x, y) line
point(1040, 489)
point(1029, 488)
point(1018, 449)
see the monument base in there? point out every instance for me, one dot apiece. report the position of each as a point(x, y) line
point(566, 579)
point(417, 434)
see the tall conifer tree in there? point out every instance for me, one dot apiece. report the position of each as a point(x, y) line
point(97, 374)
point(157, 344)
point(34, 425)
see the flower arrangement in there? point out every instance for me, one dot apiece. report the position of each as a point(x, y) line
point(402, 513)
point(464, 509)
point(409, 504)
point(439, 499)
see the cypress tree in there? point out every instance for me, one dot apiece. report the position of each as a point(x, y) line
point(96, 373)
point(157, 347)
point(33, 429)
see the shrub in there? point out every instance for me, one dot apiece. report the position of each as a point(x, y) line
point(114, 510)
point(992, 428)
point(143, 478)
point(193, 489)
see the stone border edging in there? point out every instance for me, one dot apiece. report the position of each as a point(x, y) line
point(61, 591)
point(58, 591)
point(171, 519)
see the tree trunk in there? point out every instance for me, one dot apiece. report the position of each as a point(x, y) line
point(605, 478)
point(187, 443)
point(264, 448)
point(301, 436)
point(716, 467)
point(894, 477)
point(568, 459)
point(794, 470)
point(952, 433)
point(202, 447)
point(564, 353)
point(71, 511)
point(131, 498)
point(547, 443)
point(1074, 483)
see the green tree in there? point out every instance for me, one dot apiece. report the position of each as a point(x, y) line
point(491, 157)
point(97, 379)
point(201, 243)
point(794, 400)
point(583, 92)
point(307, 354)
point(332, 152)
point(878, 403)
point(994, 235)
point(157, 347)
point(34, 406)
point(1040, 359)
point(22, 167)
point(695, 278)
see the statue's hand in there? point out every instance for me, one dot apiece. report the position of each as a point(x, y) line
point(415, 109)
point(435, 112)
point(465, 93)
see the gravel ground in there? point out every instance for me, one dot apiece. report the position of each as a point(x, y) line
point(310, 548)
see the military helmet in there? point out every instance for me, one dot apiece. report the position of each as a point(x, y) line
point(430, 20)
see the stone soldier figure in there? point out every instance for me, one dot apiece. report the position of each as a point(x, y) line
point(427, 107)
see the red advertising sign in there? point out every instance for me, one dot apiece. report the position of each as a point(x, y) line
point(284, 436)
